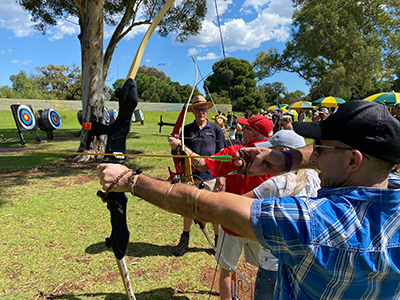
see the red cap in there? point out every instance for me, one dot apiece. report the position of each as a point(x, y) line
point(259, 123)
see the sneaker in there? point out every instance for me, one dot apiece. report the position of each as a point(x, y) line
point(183, 245)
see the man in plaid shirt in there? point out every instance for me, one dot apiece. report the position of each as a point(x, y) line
point(342, 244)
point(345, 243)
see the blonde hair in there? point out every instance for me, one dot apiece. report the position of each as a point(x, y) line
point(286, 118)
point(301, 180)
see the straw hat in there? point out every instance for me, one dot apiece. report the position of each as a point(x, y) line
point(199, 100)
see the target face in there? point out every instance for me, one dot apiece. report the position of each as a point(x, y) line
point(113, 116)
point(141, 115)
point(54, 118)
point(106, 115)
point(26, 118)
point(133, 117)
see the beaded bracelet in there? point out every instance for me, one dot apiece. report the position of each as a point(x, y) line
point(117, 179)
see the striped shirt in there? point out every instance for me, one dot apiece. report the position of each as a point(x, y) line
point(342, 244)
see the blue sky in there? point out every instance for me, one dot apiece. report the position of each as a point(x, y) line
point(248, 26)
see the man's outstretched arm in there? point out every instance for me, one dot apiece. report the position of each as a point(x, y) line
point(229, 210)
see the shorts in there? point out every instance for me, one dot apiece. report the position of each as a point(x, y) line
point(232, 248)
point(264, 287)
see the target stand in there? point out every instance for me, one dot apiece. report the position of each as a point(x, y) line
point(113, 116)
point(48, 120)
point(109, 116)
point(25, 121)
point(138, 116)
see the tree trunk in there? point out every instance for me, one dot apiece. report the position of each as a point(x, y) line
point(92, 70)
point(118, 34)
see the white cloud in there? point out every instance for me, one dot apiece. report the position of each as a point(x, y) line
point(63, 28)
point(209, 56)
point(193, 51)
point(16, 61)
point(255, 4)
point(247, 31)
point(137, 30)
point(15, 19)
point(283, 8)
point(9, 51)
point(222, 6)
point(148, 60)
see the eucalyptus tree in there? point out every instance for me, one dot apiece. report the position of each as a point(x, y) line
point(184, 19)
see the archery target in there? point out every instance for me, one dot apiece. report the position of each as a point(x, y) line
point(106, 115)
point(137, 116)
point(141, 115)
point(51, 119)
point(113, 115)
point(25, 117)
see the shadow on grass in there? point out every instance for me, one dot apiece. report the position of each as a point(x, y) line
point(19, 170)
point(159, 294)
point(140, 249)
point(9, 137)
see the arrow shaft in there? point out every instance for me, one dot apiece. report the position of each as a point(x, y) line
point(221, 158)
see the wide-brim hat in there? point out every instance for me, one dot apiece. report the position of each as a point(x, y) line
point(199, 100)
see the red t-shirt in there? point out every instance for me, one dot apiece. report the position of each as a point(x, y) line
point(234, 183)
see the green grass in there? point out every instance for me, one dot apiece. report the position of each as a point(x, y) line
point(53, 226)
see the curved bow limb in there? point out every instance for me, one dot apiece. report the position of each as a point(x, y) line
point(138, 57)
point(116, 142)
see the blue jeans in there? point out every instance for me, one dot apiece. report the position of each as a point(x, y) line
point(264, 287)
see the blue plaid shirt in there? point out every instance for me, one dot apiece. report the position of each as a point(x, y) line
point(343, 244)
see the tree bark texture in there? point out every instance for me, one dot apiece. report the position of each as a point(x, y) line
point(92, 68)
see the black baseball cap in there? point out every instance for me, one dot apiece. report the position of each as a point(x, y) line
point(363, 125)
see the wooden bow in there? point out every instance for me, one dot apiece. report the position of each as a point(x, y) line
point(116, 142)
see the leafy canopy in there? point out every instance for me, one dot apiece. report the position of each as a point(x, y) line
point(339, 43)
point(237, 85)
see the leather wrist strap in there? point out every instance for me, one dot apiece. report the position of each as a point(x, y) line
point(288, 160)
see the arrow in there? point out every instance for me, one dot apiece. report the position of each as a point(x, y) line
point(223, 158)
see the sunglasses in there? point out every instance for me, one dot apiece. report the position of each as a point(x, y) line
point(318, 148)
point(203, 110)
